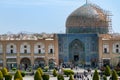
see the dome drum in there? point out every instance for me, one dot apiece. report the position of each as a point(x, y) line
point(101, 30)
point(85, 22)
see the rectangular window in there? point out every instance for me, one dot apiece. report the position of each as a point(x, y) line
point(39, 46)
point(39, 51)
point(25, 51)
point(105, 50)
point(117, 46)
point(11, 51)
point(117, 50)
point(51, 50)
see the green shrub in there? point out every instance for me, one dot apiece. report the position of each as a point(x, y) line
point(40, 70)
point(14, 69)
point(23, 74)
point(71, 77)
point(107, 71)
point(95, 75)
point(60, 77)
point(18, 75)
point(45, 77)
point(118, 72)
point(114, 75)
point(104, 77)
point(46, 68)
point(68, 72)
point(54, 73)
point(37, 76)
point(1, 76)
point(8, 77)
point(4, 72)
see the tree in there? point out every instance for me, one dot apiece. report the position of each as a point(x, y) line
point(95, 75)
point(114, 75)
point(37, 76)
point(54, 73)
point(4, 72)
point(1, 76)
point(107, 71)
point(18, 75)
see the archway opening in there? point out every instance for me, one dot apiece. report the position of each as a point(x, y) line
point(39, 62)
point(25, 63)
point(51, 63)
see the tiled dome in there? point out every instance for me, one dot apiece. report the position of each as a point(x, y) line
point(89, 18)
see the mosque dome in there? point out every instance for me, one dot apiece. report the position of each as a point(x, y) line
point(88, 18)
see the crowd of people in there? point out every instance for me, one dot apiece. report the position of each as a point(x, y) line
point(82, 76)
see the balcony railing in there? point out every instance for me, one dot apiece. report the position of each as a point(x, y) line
point(11, 54)
point(39, 54)
point(25, 54)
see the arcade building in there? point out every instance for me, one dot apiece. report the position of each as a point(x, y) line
point(88, 41)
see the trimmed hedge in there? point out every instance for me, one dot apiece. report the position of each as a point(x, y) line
point(95, 75)
point(114, 75)
point(40, 70)
point(60, 77)
point(54, 73)
point(45, 77)
point(68, 72)
point(71, 77)
point(4, 72)
point(118, 72)
point(23, 74)
point(46, 68)
point(14, 69)
point(18, 75)
point(104, 77)
point(8, 77)
point(37, 76)
point(1, 76)
point(107, 71)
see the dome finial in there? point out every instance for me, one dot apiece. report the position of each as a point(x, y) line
point(86, 1)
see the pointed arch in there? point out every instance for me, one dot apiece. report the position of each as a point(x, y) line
point(76, 51)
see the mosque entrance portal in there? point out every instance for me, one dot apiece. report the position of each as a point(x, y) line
point(76, 57)
point(76, 51)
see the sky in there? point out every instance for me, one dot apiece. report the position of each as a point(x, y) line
point(49, 16)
